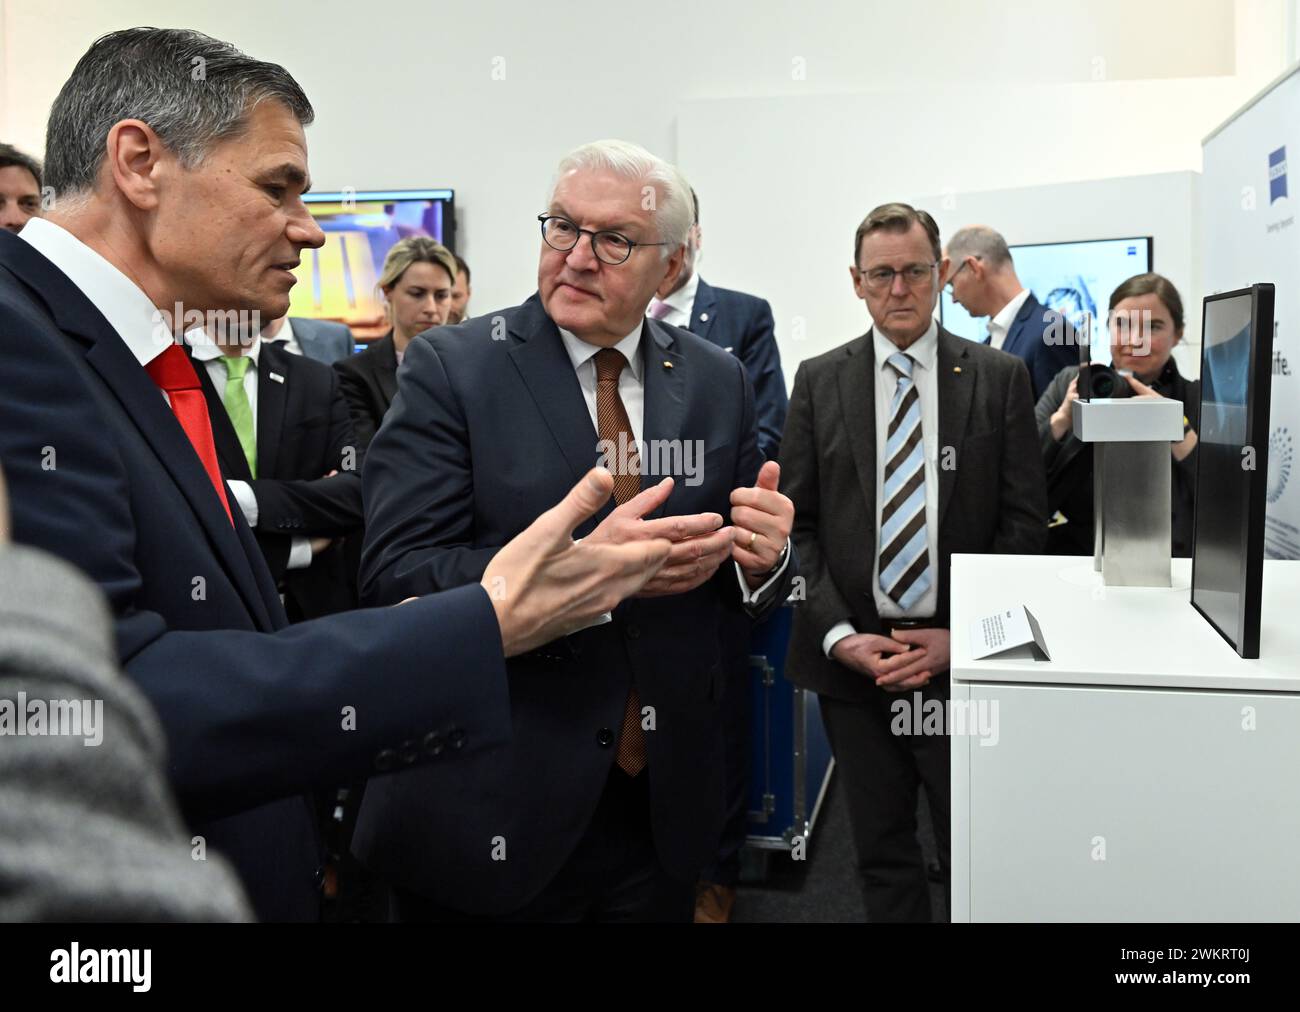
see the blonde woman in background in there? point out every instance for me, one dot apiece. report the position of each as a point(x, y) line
point(416, 283)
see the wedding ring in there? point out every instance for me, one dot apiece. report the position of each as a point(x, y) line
point(753, 536)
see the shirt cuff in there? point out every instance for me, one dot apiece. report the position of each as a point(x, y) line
point(838, 632)
point(299, 553)
point(748, 596)
point(247, 501)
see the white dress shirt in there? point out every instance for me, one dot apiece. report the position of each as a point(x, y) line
point(631, 388)
point(287, 337)
point(681, 303)
point(209, 353)
point(1000, 325)
point(925, 376)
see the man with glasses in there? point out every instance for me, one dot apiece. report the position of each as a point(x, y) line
point(984, 283)
point(902, 447)
point(608, 801)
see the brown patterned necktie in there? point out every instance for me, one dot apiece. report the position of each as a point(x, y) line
point(612, 425)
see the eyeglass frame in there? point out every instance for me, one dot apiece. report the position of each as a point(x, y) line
point(893, 273)
point(632, 244)
point(964, 261)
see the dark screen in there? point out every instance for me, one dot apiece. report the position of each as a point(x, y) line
point(1223, 478)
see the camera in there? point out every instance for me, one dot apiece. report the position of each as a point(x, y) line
point(1097, 380)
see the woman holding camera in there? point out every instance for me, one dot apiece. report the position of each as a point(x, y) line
point(1145, 322)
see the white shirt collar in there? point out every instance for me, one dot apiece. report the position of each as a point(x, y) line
point(1007, 315)
point(684, 298)
point(205, 349)
point(285, 334)
point(128, 310)
point(580, 352)
point(924, 350)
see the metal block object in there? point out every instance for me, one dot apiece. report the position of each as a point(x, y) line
point(1131, 485)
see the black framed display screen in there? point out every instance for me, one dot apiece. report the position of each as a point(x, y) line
point(1232, 463)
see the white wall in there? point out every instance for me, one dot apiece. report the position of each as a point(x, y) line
point(406, 94)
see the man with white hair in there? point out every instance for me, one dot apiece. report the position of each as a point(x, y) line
point(608, 801)
point(984, 283)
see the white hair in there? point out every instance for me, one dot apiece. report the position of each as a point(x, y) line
point(674, 211)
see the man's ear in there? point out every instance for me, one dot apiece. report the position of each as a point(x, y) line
point(674, 269)
point(134, 155)
point(857, 282)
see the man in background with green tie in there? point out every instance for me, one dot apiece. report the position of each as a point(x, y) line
point(286, 447)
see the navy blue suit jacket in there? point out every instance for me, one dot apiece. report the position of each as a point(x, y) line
point(1045, 341)
point(484, 435)
point(101, 473)
point(742, 324)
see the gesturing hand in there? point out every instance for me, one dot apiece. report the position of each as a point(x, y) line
point(763, 518)
point(699, 542)
point(543, 585)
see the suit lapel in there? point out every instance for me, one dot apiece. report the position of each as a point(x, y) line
point(386, 368)
point(547, 371)
point(1018, 325)
point(704, 311)
point(857, 384)
point(956, 387)
point(272, 399)
point(663, 374)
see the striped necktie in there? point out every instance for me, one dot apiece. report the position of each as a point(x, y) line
point(904, 542)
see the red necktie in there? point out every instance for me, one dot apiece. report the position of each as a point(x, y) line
point(613, 425)
point(175, 376)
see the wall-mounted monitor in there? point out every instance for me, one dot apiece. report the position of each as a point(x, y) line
point(1074, 278)
point(1232, 463)
point(338, 281)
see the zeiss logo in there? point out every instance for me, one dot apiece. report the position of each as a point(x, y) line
point(1277, 175)
point(1132, 251)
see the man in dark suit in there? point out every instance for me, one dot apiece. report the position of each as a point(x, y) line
point(904, 446)
point(322, 340)
point(608, 801)
point(984, 283)
point(286, 447)
point(737, 323)
point(105, 436)
point(740, 325)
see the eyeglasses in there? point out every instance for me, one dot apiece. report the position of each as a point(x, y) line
point(914, 275)
point(610, 247)
point(965, 262)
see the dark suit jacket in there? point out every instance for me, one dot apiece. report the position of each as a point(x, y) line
point(742, 324)
point(484, 436)
point(1028, 338)
point(101, 473)
point(992, 500)
point(304, 431)
point(323, 340)
point(368, 380)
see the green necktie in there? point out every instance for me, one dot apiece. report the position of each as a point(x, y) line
point(238, 408)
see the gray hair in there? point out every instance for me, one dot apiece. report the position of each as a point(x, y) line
point(192, 90)
point(674, 209)
point(981, 242)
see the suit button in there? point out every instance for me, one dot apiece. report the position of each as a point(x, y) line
point(456, 738)
point(633, 632)
point(409, 753)
point(604, 737)
point(386, 760)
point(432, 744)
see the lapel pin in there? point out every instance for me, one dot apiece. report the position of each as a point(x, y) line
point(277, 377)
point(728, 348)
point(667, 364)
point(956, 368)
point(704, 317)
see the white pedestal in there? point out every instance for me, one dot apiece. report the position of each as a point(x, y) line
point(1145, 773)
